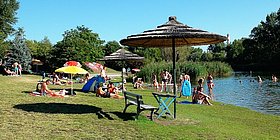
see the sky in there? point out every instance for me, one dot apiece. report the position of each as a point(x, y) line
point(116, 19)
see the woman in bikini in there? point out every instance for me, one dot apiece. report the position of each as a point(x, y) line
point(198, 96)
point(210, 85)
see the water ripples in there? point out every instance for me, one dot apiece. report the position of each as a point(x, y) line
point(244, 90)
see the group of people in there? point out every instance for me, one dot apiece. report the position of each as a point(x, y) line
point(17, 70)
point(166, 78)
point(273, 78)
point(198, 96)
point(7, 71)
point(109, 92)
point(137, 82)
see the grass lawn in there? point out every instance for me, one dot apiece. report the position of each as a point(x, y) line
point(86, 116)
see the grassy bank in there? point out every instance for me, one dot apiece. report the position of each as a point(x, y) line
point(88, 117)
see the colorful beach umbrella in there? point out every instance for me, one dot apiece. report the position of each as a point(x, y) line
point(71, 70)
point(96, 67)
point(72, 63)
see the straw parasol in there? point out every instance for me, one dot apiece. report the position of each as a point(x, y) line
point(172, 34)
point(36, 62)
point(164, 35)
point(122, 55)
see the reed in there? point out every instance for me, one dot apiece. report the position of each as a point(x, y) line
point(194, 69)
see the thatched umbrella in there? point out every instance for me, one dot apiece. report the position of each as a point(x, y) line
point(122, 55)
point(172, 34)
point(36, 62)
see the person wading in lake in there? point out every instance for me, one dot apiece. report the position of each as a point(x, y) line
point(259, 79)
point(274, 78)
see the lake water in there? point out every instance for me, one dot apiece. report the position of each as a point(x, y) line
point(242, 89)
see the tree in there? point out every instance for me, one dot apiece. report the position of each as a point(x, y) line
point(267, 38)
point(111, 47)
point(18, 51)
point(235, 51)
point(33, 45)
point(260, 51)
point(4, 46)
point(40, 50)
point(196, 54)
point(150, 54)
point(250, 52)
point(8, 10)
point(218, 51)
point(79, 44)
point(206, 56)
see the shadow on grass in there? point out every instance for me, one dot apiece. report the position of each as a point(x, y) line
point(185, 102)
point(62, 108)
point(125, 116)
point(26, 92)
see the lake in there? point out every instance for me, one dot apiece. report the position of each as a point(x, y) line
point(242, 89)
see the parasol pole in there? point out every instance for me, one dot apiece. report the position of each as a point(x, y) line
point(174, 74)
point(123, 57)
point(71, 84)
point(122, 77)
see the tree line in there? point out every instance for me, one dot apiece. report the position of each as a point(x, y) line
point(84, 45)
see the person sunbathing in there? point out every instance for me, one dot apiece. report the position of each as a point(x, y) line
point(139, 83)
point(46, 91)
point(106, 94)
point(111, 88)
point(9, 72)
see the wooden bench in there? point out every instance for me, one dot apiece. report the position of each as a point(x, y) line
point(137, 100)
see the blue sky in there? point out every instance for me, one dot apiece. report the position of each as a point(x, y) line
point(116, 19)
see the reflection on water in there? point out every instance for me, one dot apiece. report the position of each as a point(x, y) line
point(242, 89)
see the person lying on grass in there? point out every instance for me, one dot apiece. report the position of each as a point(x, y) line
point(9, 72)
point(106, 94)
point(46, 91)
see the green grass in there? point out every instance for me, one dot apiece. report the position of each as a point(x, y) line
point(88, 117)
point(109, 70)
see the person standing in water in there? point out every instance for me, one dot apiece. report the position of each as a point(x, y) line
point(259, 79)
point(210, 85)
point(274, 78)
